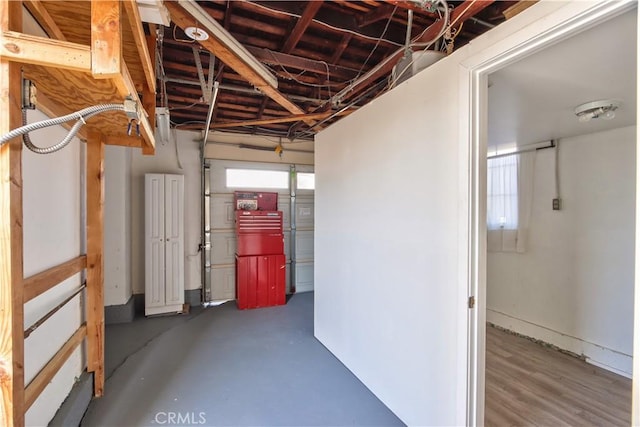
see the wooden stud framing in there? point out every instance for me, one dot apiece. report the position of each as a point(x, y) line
point(11, 234)
point(42, 282)
point(149, 93)
point(106, 38)
point(148, 64)
point(36, 50)
point(126, 88)
point(95, 248)
point(43, 17)
point(44, 377)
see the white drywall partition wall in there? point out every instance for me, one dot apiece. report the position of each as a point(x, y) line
point(117, 225)
point(573, 287)
point(386, 239)
point(392, 239)
point(166, 161)
point(51, 209)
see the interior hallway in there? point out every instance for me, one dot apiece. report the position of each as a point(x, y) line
point(252, 367)
point(529, 384)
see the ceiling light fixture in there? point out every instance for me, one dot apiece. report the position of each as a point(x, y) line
point(196, 34)
point(224, 38)
point(592, 110)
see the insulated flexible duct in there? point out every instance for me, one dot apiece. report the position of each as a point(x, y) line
point(81, 117)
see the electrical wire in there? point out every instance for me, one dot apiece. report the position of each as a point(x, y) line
point(425, 45)
point(175, 142)
point(81, 117)
point(337, 97)
point(386, 27)
point(187, 41)
point(186, 107)
point(344, 30)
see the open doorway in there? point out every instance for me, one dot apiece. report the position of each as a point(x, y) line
point(560, 240)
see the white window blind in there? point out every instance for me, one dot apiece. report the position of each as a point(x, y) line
point(502, 193)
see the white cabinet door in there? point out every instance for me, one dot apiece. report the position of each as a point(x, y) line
point(154, 241)
point(164, 243)
point(174, 239)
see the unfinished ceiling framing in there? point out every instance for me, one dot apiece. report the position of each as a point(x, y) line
point(329, 57)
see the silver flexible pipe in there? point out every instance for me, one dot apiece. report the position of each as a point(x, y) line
point(81, 117)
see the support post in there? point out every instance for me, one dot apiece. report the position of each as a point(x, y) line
point(106, 38)
point(11, 255)
point(95, 261)
point(149, 94)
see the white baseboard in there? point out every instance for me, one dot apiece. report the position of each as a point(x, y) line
point(595, 354)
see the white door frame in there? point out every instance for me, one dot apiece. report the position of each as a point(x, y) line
point(565, 22)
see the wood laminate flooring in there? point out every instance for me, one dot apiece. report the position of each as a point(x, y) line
point(529, 384)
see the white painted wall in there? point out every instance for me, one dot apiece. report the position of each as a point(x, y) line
point(392, 237)
point(165, 161)
point(574, 285)
point(52, 206)
point(117, 225)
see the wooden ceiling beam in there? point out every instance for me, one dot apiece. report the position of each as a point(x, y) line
point(512, 11)
point(183, 19)
point(131, 9)
point(340, 48)
point(273, 120)
point(35, 50)
point(301, 26)
point(410, 5)
point(460, 14)
point(378, 14)
point(46, 21)
point(263, 105)
point(336, 21)
point(300, 63)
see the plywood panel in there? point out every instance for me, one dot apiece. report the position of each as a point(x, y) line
point(75, 23)
point(73, 91)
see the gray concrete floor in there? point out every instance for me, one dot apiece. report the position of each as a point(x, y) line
point(223, 366)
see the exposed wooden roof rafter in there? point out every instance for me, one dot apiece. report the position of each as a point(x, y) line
point(183, 19)
point(301, 26)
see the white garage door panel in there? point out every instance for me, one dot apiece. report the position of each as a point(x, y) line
point(223, 247)
point(223, 239)
point(304, 213)
point(225, 280)
point(222, 214)
point(304, 246)
point(304, 277)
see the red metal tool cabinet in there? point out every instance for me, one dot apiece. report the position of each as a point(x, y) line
point(259, 233)
point(260, 260)
point(260, 281)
